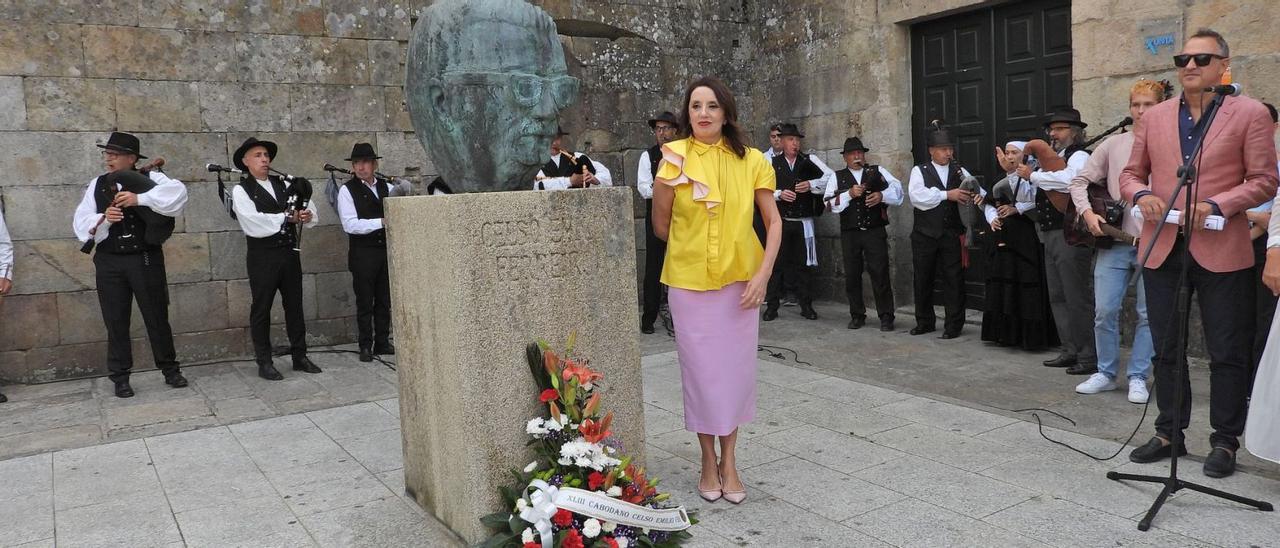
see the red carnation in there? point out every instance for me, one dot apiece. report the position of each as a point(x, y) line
point(594, 480)
point(549, 394)
point(563, 518)
point(610, 542)
point(572, 540)
point(531, 545)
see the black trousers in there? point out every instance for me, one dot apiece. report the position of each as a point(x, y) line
point(655, 252)
point(938, 259)
point(1225, 300)
point(271, 270)
point(867, 250)
point(368, 266)
point(791, 271)
point(120, 280)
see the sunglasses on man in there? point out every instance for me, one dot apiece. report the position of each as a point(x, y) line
point(1202, 59)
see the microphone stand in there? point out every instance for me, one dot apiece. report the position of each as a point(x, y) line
point(1187, 178)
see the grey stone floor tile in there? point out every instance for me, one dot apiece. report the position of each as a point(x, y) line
point(392, 406)
point(705, 538)
point(655, 454)
point(849, 392)
point(379, 451)
point(206, 468)
point(765, 423)
point(1025, 438)
point(1080, 484)
point(834, 450)
point(385, 522)
point(271, 427)
point(773, 398)
point(339, 468)
point(43, 418)
point(845, 418)
point(820, 490)
point(295, 385)
point(668, 396)
point(963, 492)
point(256, 522)
point(310, 403)
point(660, 421)
point(947, 416)
point(42, 543)
point(1062, 523)
point(291, 448)
point(768, 521)
point(27, 475)
point(685, 445)
point(124, 522)
point(354, 420)
point(225, 384)
point(103, 473)
point(394, 480)
point(680, 479)
point(912, 522)
point(779, 374)
point(241, 409)
point(192, 406)
point(960, 451)
point(53, 439)
point(324, 486)
point(25, 517)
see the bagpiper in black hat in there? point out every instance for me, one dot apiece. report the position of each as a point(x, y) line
point(363, 151)
point(238, 157)
point(123, 142)
point(1067, 115)
point(666, 116)
point(853, 143)
point(939, 135)
point(789, 129)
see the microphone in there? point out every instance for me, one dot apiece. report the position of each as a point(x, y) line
point(1127, 121)
point(215, 168)
point(1232, 90)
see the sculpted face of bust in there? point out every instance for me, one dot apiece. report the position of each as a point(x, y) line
point(485, 85)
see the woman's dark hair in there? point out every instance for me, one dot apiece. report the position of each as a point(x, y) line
point(732, 132)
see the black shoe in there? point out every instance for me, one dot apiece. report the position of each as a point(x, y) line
point(1082, 369)
point(949, 335)
point(268, 371)
point(366, 354)
point(921, 330)
point(1220, 463)
point(857, 323)
point(770, 314)
point(176, 380)
point(808, 312)
point(304, 365)
point(3, 398)
point(384, 349)
point(123, 390)
point(1063, 360)
point(1154, 451)
point(886, 326)
point(647, 329)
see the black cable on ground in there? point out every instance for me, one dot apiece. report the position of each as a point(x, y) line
point(1040, 427)
point(779, 353)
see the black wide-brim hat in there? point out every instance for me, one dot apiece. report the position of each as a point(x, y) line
point(939, 137)
point(853, 143)
point(666, 116)
point(1066, 115)
point(363, 151)
point(792, 130)
point(560, 132)
point(238, 157)
point(123, 142)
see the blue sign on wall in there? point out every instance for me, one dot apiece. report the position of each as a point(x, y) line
point(1154, 43)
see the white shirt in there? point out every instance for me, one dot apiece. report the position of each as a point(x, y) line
point(6, 251)
point(351, 222)
point(769, 154)
point(562, 183)
point(1024, 197)
point(1061, 180)
point(816, 186)
point(644, 177)
point(167, 198)
point(891, 195)
point(257, 224)
point(923, 197)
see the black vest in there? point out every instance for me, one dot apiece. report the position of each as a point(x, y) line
point(266, 204)
point(131, 234)
point(368, 206)
point(807, 204)
point(944, 218)
point(569, 166)
point(1048, 217)
point(858, 216)
point(655, 158)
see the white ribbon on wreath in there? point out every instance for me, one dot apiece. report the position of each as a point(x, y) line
point(547, 499)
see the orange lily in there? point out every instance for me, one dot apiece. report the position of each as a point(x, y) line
point(595, 432)
point(582, 373)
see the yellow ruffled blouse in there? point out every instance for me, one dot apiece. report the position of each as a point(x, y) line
point(711, 243)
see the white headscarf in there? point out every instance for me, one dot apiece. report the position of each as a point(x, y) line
point(1017, 144)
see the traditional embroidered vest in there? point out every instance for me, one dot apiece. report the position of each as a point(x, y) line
point(858, 216)
point(944, 218)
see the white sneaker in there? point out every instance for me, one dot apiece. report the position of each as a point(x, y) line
point(1096, 382)
point(1138, 391)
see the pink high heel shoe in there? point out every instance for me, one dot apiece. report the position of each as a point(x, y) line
point(711, 495)
point(735, 497)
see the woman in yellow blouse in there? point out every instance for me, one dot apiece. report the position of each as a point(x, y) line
point(711, 183)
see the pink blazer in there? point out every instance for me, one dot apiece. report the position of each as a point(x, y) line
point(1237, 171)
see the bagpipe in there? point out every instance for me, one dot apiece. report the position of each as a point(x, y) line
point(158, 227)
point(396, 186)
point(581, 166)
point(297, 197)
point(1110, 210)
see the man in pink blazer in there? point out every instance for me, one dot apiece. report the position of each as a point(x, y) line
point(1236, 171)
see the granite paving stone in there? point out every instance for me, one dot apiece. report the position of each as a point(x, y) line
point(1063, 523)
point(260, 521)
point(913, 522)
point(834, 450)
point(125, 522)
point(354, 420)
point(848, 419)
point(944, 415)
point(820, 490)
point(384, 522)
point(960, 451)
point(963, 492)
point(378, 451)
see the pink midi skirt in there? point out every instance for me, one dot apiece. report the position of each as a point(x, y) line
point(716, 341)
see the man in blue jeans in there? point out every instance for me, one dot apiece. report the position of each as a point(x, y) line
point(1116, 263)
